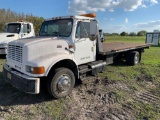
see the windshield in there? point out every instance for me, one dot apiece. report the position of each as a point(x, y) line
point(60, 27)
point(12, 28)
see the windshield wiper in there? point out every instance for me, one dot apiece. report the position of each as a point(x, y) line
point(56, 33)
point(44, 34)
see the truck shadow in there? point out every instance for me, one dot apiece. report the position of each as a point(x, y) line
point(120, 63)
point(155, 46)
point(10, 96)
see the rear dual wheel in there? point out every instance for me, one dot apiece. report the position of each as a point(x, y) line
point(61, 82)
point(133, 58)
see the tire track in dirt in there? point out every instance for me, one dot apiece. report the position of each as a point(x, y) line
point(148, 97)
point(143, 99)
point(97, 101)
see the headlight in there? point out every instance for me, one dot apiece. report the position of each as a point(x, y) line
point(35, 70)
point(3, 45)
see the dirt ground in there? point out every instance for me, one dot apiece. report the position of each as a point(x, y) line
point(102, 100)
point(99, 100)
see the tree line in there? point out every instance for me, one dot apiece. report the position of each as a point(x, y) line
point(140, 33)
point(11, 16)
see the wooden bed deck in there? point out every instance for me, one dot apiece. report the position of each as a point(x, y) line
point(121, 46)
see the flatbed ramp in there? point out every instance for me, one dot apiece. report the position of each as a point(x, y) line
point(114, 47)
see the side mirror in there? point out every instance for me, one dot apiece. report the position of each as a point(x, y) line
point(93, 30)
point(28, 28)
point(5, 28)
point(92, 37)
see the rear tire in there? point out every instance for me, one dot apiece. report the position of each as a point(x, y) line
point(61, 82)
point(133, 58)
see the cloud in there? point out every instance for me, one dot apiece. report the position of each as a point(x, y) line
point(150, 24)
point(111, 19)
point(126, 20)
point(128, 5)
point(154, 2)
point(111, 10)
point(115, 29)
point(144, 6)
point(83, 6)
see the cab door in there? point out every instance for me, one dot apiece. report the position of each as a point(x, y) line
point(26, 29)
point(85, 49)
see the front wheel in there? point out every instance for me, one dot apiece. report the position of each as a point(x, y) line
point(61, 82)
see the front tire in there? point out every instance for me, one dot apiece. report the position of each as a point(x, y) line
point(61, 82)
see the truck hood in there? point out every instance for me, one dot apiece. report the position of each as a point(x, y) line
point(8, 37)
point(38, 47)
point(35, 40)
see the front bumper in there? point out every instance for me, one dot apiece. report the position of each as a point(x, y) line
point(3, 51)
point(20, 81)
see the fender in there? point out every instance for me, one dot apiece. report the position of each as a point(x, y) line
point(58, 58)
point(48, 61)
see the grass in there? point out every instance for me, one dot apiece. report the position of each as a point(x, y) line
point(151, 56)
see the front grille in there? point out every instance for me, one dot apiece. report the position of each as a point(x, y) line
point(15, 53)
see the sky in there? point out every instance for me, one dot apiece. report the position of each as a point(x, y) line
point(114, 16)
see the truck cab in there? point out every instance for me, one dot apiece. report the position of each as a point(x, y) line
point(14, 31)
point(68, 49)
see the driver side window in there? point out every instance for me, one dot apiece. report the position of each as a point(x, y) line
point(82, 30)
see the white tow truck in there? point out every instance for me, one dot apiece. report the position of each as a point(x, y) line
point(14, 31)
point(67, 49)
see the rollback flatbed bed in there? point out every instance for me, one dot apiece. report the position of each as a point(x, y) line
point(112, 52)
point(117, 47)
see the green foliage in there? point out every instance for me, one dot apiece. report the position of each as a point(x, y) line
point(132, 34)
point(139, 39)
point(115, 34)
point(111, 34)
point(10, 16)
point(141, 33)
point(124, 34)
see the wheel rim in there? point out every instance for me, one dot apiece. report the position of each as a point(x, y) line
point(136, 58)
point(64, 83)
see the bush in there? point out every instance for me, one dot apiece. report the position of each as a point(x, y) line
point(132, 34)
point(141, 33)
point(124, 34)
